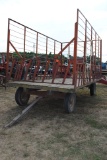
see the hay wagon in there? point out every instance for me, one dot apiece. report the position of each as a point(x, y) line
point(38, 64)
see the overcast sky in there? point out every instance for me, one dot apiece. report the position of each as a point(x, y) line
point(54, 18)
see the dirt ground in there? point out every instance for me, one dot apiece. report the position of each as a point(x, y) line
point(48, 133)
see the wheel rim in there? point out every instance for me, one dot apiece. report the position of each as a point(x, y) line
point(24, 97)
point(69, 102)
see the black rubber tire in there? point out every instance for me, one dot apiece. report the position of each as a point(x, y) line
point(70, 102)
point(21, 97)
point(92, 89)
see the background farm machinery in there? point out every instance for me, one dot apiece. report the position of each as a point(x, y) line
point(2, 69)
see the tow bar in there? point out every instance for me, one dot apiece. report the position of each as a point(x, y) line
point(23, 113)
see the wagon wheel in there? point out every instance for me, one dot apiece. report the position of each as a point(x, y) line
point(69, 102)
point(21, 96)
point(92, 89)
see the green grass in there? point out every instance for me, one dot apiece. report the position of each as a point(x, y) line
point(95, 124)
point(48, 133)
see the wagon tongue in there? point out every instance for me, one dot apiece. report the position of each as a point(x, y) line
point(23, 113)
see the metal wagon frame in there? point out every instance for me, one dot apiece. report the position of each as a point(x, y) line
point(66, 66)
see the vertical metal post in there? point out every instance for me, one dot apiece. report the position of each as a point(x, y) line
point(77, 15)
point(85, 42)
point(54, 46)
point(68, 51)
point(46, 48)
point(61, 58)
point(100, 56)
point(98, 47)
point(36, 45)
point(91, 42)
point(91, 53)
point(75, 55)
point(8, 41)
point(95, 54)
point(75, 51)
point(85, 54)
point(24, 41)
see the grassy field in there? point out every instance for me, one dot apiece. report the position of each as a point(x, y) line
point(48, 133)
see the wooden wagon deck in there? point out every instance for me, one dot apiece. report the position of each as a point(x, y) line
point(57, 86)
point(47, 85)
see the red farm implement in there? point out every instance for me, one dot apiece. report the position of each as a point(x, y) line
point(42, 65)
point(2, 70)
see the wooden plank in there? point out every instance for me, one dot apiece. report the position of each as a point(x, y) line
point(45, 86)
point(23, 113)
point(57, 86)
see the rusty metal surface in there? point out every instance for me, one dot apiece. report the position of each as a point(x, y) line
point(79, 59)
